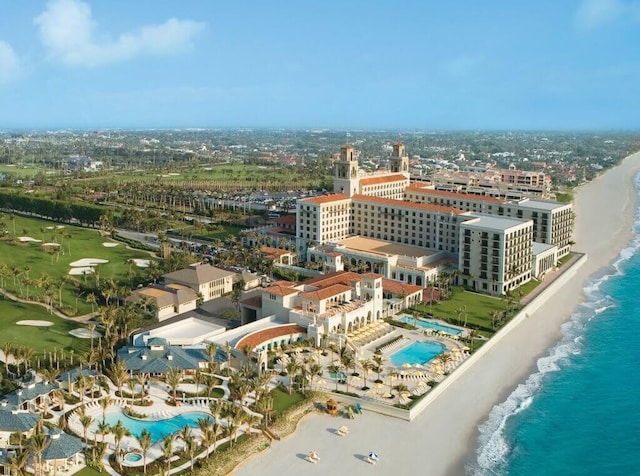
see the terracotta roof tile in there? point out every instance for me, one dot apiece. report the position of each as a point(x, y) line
point(411, 205)
point(458, 195)
point(385, 179)
point(257, 338)
point(396, 287)
point(280, 290)
point(329, 291)
point(335, 197)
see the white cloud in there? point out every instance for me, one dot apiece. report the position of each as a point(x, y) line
point(593, 14)
point(9, 63)
point(69, 32)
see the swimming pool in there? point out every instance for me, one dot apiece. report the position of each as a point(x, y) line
point(417, 353)
point(132, 457)
point(158, 428)
point(430, 325)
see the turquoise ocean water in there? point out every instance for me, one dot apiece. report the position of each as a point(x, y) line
point(579, 414)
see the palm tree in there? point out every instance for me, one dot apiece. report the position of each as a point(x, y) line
point(119, 432)
point(227, 351)
point(145, 443)
point(173, 378)
point(103, 429)
point(167, 450)
point(91, 299)
point(191, 447)
point(335, 370)
point(18, 462)
point(212, 350)
point(131, 386)
point(37, 444)
point(366, 366)
point(314, 370)
point(378, 360)
point(292, 368)
point(7, 350)
point(85, 421)
point(119, 374)
point(104, 404)
point(400, 389)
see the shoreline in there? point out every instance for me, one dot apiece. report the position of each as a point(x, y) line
point(444, 437)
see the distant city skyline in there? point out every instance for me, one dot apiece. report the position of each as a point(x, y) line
point(425, 65)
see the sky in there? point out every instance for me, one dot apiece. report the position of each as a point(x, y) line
point(400, 65)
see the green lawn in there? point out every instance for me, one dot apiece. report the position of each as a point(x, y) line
point(32, 261)
point(219, 232)
point(89, 472)
point(479, 308)
point(282, 401)
point(40, 339)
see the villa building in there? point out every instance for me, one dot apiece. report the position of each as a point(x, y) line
point(158, 357)
point(208, 281)
point(168, 300)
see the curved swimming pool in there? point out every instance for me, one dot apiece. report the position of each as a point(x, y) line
point(158, 428)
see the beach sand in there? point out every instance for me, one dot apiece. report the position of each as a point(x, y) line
point(444, 437)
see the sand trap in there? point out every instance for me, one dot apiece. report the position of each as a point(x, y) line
point(50, 227)
point(81, 271)
point(141, 263)
point(109, 244)
point(51, 244)
point(35, 323)
point(88, 262)
point(59, 227)
point(84, 333)
point(26, 239)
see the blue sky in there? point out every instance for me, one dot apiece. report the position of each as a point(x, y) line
point(535, 64)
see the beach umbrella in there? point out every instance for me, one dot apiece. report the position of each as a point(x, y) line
point(406, 365)
point(374, 456)
point(314, 455)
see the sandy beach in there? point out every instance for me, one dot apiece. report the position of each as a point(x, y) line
point(444, 436)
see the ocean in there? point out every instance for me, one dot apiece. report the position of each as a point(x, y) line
point(579, 413)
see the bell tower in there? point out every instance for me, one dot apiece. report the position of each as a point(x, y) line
point(399, 161)
point(346, 172)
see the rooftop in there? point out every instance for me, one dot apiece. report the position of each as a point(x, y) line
point(383, 179)
point(256, 338)
point(492, 222)
point(400, 203)
point(335, 197)
point(384, 248)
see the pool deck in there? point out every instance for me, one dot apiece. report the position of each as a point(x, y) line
point(414, 377)
point(158, 393)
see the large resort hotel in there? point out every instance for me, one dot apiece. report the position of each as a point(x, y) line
point(377, 242)
point(495, 244)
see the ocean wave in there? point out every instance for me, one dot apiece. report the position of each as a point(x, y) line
point(494, 447)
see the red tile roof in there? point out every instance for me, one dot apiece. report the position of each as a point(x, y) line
point(399, 203)
point(458, 195)
point(280, 290)
point(336, 197)
point(268, 250)
point(396, 287)
point(257, 338)
point(339, 277)
point(385, 179)
point(329, 291)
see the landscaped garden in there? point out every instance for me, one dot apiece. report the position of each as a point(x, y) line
point(36, 257)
